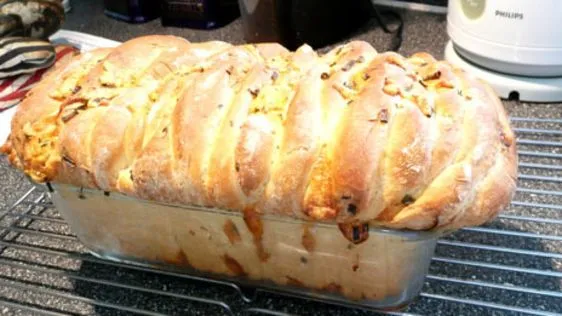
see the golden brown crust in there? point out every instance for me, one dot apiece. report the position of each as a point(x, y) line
point(33, 140)
point(351, 136)
point(298, 142)
point(344, 80)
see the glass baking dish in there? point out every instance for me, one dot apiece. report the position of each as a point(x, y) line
point(385, 271)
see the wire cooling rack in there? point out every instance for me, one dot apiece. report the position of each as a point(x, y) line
point(510, 266)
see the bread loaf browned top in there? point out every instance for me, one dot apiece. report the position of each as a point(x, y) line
point(352, 136)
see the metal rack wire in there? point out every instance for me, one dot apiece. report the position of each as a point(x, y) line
point(510, 266)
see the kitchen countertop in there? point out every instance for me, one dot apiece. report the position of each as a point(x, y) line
point(422, 32)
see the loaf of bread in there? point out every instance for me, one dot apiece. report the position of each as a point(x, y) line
point(353, 136)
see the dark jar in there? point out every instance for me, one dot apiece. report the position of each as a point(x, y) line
point(295, 22)
point(132, 11)
point(199, 14)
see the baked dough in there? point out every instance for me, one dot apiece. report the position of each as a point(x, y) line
point(353, 137)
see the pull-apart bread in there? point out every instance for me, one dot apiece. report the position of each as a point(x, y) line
point(350, 137)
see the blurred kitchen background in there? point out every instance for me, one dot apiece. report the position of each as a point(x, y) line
point(319, 23)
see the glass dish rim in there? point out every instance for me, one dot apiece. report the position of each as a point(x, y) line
point(410, 235)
